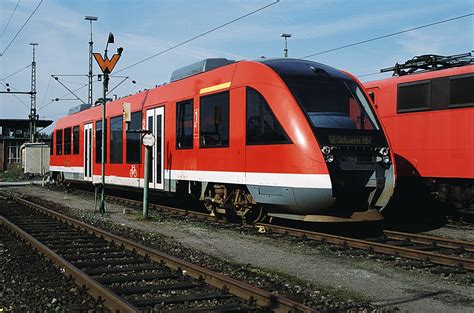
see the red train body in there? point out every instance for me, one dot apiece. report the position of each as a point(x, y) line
point(429, 118)
point(243, 137)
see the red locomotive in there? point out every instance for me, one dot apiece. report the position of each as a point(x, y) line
point(429, 118)
point(287, 138)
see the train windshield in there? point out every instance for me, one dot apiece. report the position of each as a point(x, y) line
point(330, 98)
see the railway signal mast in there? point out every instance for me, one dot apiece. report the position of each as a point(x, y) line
point(106, 66)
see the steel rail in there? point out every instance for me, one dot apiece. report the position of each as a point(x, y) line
point(95, 289)
point(436, 258)
point(242, 290)
point(441, 259)
point(424, 239)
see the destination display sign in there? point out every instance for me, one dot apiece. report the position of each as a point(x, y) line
point(349, 140)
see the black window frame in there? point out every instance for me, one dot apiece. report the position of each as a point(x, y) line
point(269, 111)
point(59, 141)
point(98, 142)
point(202, 116)
point(67, 141)
point(116, 158)
point(411, 84)
point(131, 139)
point(458, 105)
point(182, 121)
point(76, 135)
point(51, 144)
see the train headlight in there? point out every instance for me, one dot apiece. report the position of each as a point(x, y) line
point(326, 150)
point(329, 158)
point(384, 151)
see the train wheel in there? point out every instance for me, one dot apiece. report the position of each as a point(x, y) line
point(245, 207)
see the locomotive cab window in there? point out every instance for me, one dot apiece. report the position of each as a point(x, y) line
point(59, 142)
point(116, 135)
point(414, 96)
point(184, 124)
point(98, 142)
point(461, 91)
point(262, 125)
point(67, 141)
point(134, 149)
point(214, 120)
point(75, 140)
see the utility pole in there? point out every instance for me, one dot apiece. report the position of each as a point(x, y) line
point(91, 46)
point(33, 117)
point(286, 36)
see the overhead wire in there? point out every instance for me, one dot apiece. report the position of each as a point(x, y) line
point(19, 31)
point(18, 98)
point(9, 20)
point(198, 36)
point(16, 72)
point(388, 35)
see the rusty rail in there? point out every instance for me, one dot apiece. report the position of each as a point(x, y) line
point(436, 258)
point(424, 239)
point(242, 290)
point(111, 300)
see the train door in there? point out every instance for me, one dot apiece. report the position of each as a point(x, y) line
point(88, 152)
point(155, 123)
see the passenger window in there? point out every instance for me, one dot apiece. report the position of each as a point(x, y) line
point(75, 140)
point(414, 96)
point(59, 142)
point(214, 120)
point(98, 142)
point(461, 91)
point(134, 149)
point(116, 135)
point(262, 126)
point(67, 141)
point(184, 124)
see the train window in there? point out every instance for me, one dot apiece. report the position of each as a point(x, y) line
point(116, 139)
point(262, 126)
point(98, 142)
point(75, 140)
point(414, 96)
point(67, 140)
point(134, 149)
point(59, 142)
point(184, 124)
point(51, 144)
point(461, 92)
point(214, 120)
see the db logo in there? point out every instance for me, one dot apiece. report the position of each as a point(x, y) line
point(133, 171)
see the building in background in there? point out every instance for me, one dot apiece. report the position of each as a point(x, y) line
point(14, 133)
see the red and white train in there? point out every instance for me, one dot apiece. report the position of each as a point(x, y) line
point(288, 138)
point(429, 118)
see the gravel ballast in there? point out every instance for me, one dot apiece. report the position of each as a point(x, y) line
point(323, 278)
point(29, 283)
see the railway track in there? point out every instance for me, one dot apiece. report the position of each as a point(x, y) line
point(127, 276)
point(428, 249)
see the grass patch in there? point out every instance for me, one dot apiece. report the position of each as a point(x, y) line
point(15, 174)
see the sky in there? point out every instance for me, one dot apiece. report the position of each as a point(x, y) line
point(146, 27)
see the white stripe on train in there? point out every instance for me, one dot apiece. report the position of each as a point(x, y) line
point(261, 179)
